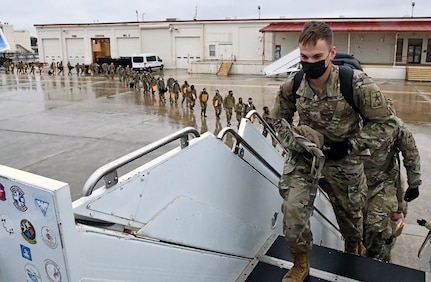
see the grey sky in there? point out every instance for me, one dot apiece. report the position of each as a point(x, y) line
point(23, 14)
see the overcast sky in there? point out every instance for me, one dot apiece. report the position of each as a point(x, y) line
point(23, 14)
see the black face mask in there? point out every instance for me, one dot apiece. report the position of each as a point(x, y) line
point(314, 70)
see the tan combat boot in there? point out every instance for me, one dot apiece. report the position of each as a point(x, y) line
point(351, 247)
point(362, 251)
point(299, 270)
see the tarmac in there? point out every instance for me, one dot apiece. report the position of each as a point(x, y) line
point(66, 127)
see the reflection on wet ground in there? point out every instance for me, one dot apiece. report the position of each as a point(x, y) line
point(65, 127)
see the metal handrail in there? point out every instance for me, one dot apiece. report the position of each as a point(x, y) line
point(109, 171)
point(267, 128)
point(317, 163)
point(241, 141)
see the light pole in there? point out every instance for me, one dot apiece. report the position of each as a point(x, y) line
point(413, 6)
point(143, 14)
point(137, 16)
point(258, 7)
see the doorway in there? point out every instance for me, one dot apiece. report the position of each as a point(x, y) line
point(100, 48)
point(414, 51)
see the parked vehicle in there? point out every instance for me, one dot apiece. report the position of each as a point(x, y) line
point(146, 62)
point(122, 61)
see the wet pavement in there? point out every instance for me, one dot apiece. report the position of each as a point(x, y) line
point(65, 127)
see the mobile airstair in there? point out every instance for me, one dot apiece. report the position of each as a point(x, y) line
point(286, 64)
point(206, 210)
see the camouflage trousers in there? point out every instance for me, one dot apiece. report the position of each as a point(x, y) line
point(345, 183)
point(378, 231)
point(294, 187)
point(228, 114)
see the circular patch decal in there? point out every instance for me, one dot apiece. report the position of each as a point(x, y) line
point(27, 231)
point(33, 274)
point(2, 193)
point(18, 198)
point(52, 270)
point(49, 237)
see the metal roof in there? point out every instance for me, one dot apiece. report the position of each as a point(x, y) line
point(357, 26)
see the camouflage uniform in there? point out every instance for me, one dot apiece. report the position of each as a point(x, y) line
point(344, 180)
point(228, 105)
point(217, 102)
point(203, 99)
point(239, 110)
point(382, 170)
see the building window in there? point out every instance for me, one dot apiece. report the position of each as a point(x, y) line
point(212, 51)
point(399, 55)
point(429, 51)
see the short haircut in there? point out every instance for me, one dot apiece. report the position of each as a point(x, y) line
point(315, 30)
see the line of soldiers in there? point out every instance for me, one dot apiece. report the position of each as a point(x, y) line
point(22, 67)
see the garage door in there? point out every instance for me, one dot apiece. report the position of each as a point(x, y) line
point(75, 50)
point(51, 46)
point(187, 50)
point(128, 46)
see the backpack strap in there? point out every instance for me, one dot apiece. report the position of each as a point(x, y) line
point(296, 82)
point(345, 76)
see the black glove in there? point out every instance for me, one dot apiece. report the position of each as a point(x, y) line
point(411, 194)
point(421, 222)
point(339, 150)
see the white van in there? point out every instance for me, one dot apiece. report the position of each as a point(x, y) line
point(146, 61)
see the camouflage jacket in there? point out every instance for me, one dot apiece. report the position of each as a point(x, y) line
point(390, 138)
point(329, 113)
point(229, 102)
point(217, 100)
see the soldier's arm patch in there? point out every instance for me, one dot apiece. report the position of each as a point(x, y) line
point(376, 100)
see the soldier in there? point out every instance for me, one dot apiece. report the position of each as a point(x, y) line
point(111, 70)
point(32, 66)
point(322, 107)
point(228, 105)
point(170, 83)
point(249, 107)
point(60, 68)
point(382, 170)
point(83, 69)
point(175, 94)
point(162, 89)
point(69, 68)
point(203, 99)
point(239, 110)
point(184, 91)
point(153, 84)
point(266, 115)
point(40, 67)
point(6, 65)
point(12, 67)
point(192, 96)
point(77, 68)
point(217, 103)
